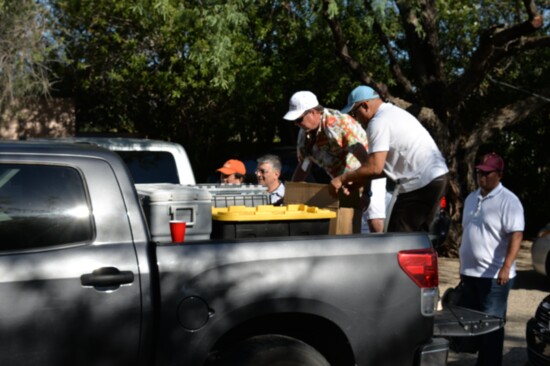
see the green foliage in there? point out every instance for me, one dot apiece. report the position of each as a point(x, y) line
point(25, 49)
point(178, 70)
point(525, 146)
point(527, 168)
point(216, 76)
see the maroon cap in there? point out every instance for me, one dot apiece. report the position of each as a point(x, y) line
point(491, 162)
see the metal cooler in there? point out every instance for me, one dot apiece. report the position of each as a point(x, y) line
point(163, 202)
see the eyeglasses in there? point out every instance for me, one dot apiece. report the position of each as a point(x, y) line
point(355, 109)
point(483, 173)
point(262, 171)
point(300, 119)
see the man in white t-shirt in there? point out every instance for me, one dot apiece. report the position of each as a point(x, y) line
point(493, 226)
point(401, 149)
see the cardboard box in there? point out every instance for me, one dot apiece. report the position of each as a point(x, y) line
point(348, 215)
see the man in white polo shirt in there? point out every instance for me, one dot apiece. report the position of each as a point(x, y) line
point(401, 149)
point(493, 225)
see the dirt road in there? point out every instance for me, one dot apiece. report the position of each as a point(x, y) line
point(529, 289)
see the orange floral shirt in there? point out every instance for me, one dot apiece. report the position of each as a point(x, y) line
point(336, 145)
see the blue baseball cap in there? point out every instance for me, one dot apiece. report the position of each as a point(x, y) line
point(359, 94)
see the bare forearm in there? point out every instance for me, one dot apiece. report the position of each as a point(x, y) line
point(511, 255)
point(372, 168)
point(513, 248)
point(360, 175)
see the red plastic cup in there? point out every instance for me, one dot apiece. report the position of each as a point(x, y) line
point(177, 229)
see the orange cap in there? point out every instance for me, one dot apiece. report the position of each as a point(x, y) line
point(233, 166)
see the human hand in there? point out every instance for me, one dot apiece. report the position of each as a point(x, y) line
point(503, 276)
point(336, 184)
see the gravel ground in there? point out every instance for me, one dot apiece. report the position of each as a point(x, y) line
point(529, 289)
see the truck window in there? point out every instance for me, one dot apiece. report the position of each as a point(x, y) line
point(151, 166)
point(42, 206)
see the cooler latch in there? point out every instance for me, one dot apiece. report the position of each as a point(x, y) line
point(183, 213)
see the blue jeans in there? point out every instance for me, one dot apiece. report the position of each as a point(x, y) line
point(485, 295)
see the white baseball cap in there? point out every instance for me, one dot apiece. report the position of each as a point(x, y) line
point(299, 103)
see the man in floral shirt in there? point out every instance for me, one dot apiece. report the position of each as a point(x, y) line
point(337, 143)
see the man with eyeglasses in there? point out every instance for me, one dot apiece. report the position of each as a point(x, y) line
point(268, 173)
point(493, 224)
point(337, 143)
point(401, 149)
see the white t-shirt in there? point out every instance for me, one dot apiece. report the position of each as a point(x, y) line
point(488, 222)
point(413, 157)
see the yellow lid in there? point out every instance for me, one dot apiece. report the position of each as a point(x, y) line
point(270, 212)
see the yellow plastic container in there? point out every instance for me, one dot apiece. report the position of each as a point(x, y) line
point(270, 212)
point(269, 221)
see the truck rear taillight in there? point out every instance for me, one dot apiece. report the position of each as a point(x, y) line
point(421, 266)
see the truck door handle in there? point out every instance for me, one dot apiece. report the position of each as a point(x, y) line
point(107, 277)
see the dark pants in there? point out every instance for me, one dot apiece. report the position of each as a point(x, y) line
point(484, 294)
point(415, 211)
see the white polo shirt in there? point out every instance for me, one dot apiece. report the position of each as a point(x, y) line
point(413, 158)
point(488, 222)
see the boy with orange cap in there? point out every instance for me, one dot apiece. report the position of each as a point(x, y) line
point(232, 172)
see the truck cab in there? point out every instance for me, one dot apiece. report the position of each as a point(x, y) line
point(149, 161)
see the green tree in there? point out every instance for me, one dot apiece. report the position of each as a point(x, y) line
point(216, 76)
point(25, 50)
point(448, 61)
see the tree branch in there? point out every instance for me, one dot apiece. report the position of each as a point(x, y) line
point(533, 13)
point(495, 43)
point(341, 46)
point(426, 116)
point(528, 43)
point(507, 116)
point(400, 78)
point(423, 49)
point(343, 53)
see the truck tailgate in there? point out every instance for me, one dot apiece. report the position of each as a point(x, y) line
point(456, 321)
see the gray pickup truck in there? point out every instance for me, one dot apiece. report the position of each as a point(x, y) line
point(149, 161)
point(83, 283)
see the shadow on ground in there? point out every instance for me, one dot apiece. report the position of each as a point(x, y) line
point(515, 356)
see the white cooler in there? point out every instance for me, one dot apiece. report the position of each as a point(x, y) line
point(163, 202)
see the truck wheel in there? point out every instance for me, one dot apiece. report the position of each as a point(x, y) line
point(272, 350)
